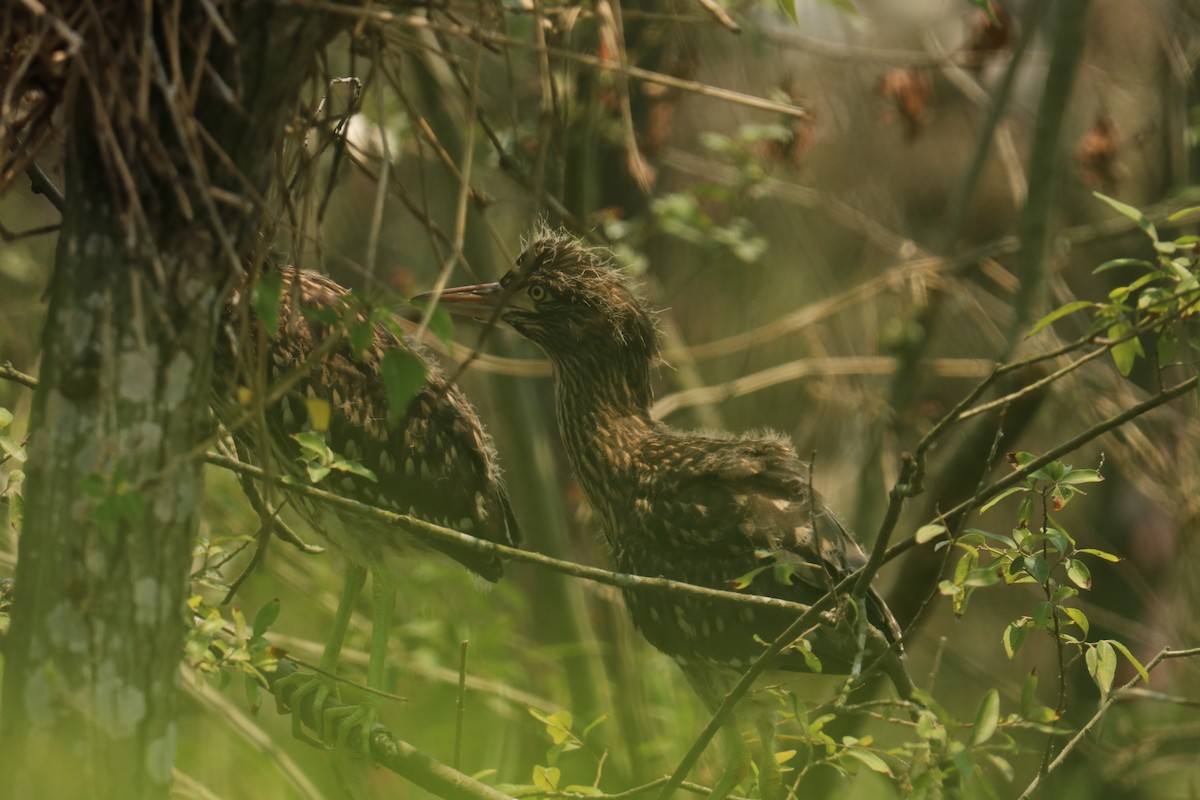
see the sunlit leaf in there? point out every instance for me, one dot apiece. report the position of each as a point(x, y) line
point(987, 717)
point(1141, 670)
point(872, 761)
point(546, 778)
point(1029, 693)
point(1082, 476)
point(1099, 554)
point(1132, 213)
point(265, 617)
point(1101, 663)
point(1078, 617)
point(927, 533)
point(1009, 491)
point(1014, 637)
point(319, 413)
point(1079, 573)
point(1057, 314)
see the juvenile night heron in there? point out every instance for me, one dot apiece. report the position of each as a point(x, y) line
point(435, 462)
point(694, 507)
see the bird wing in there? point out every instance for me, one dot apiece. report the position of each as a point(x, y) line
point(753, 494)
point(436, 464)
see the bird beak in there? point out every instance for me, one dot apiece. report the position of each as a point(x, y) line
point(483, 301)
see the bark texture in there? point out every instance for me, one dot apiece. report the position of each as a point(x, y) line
point(114, 484)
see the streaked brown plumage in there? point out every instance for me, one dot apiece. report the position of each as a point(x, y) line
point(696, 507)
point(437, 463)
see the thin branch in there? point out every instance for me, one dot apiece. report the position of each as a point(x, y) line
point(602, 65)
point(1071, 444)
point(435, 533)
point(10, 373)
point(41, 184)
point(1163, 655)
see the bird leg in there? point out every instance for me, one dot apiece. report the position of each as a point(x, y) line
point(738, 765)
point(319, 686)
point(770, 777)
point(362, 716)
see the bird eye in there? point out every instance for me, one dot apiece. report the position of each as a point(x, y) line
point(537, 293)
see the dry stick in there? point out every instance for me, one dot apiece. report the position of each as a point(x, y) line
point(603, 65)
point(461, 705)
point(41, 184)
point(465, 194)
point(720, 15)
point(435, 533)
point(1163, 655)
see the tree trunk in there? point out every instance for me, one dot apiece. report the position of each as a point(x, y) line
point(114, 481)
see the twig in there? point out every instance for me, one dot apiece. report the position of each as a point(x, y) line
point(461, 704)
point(41, 184)
point(1071, 444)
point(1163, 655)
point(720, 15)
point(602, 65)
point(10, 373)
point(430, 532)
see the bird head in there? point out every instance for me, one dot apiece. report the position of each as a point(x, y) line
point(567, 298)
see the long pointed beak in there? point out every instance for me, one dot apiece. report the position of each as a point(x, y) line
point(482, 301)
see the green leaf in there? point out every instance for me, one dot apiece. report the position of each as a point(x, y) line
point(1101, 663)
point(872, 761)
point(927, 533)
point(743, 581)
point(313, 443)
point(264, 299)
point(1010, 490)
point(1184, 212)
point(558, 726)
point(6, 418)
point(1091, 551)
point(1133, 214)
point(546, 778)
point(316, 471)
point(1043, 615)
point(403, 375)
point(442, 325)
point(987, 717)
point(1079, 573)
point(1014, 636)
point(1029, 693)
point(1082, 476)
point(1168, 344)
point(11, 448)
point(1057, 314)
point(265, 617)
point(1141, 670)
point(1126, 352)
point(1037, 568)
point(1078, 617)
point(354, 468)
point(360, 333)
point(1122, 262)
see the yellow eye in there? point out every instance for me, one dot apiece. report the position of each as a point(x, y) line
point(537, 293)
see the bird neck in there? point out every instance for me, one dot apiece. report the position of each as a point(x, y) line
point(604, 416)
